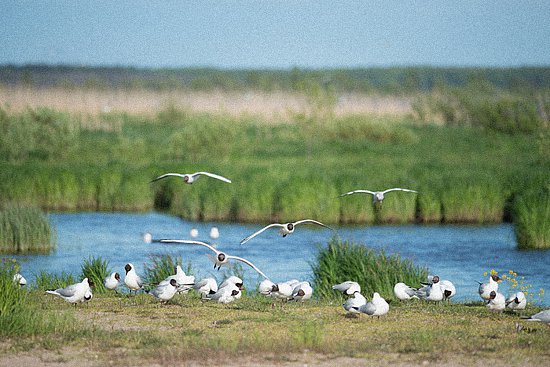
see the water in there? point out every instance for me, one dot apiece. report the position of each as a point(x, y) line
point(458, 253)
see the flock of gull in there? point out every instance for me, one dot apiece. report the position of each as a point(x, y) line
point(434, 289)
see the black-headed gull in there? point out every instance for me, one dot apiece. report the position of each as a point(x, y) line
point(301, 292)
point(448, 289)
point(185, 282)
point(74, 293)
point(132, 280)
point(497, 302)
point(111, 281)
point(543, 316)
point(226, 294)
point(232, 280)
point(516, 301)
point(220, 259)
point(353, 303)
point(165, 291)
point(485, 289)
point(404, 292)
point(348, 287)
point(282, 290)
point(284, 228)
point(432, 291)
point(265, 287)
point(377, 196)
point(19, 279)
point(189, 178)
point(206, 287)
point(376, 307)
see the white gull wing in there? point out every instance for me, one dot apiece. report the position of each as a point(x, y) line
point(249, 264)
point(221, 178)
point(167, 175)
point(246, 239)
point(398, 189)
point(190, 242)
point(358, 192)
point(311, 221)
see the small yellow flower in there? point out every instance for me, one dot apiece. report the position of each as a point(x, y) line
point(511, 271)
point(485, 274)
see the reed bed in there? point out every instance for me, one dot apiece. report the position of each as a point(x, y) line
point(374, 270)
point(24, 229)
point(96, 269)
point(532, 214)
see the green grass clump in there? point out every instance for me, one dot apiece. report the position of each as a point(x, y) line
point(532, 218)
point(24, 229)
point(373, 270)
point(48, 281)
point(162, 267)
point(96, 270)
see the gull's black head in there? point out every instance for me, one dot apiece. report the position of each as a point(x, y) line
point(173, 283)
point(495, 277)
point(128, 267)
point(234, 292)
point(435, 279)
point(492, 295)
point(290, 226)
point(117, 276)
point(221, 257)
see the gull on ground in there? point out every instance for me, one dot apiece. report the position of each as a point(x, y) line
point(189, 178)
point(353, 303)
point(376, 307)
point(404, 292)
point(348, 287)
point(301, 292)
point(226, 294)
point(282, 290)
point(132, 280)
point(220, 258)
point(265, 287)
point(497, 302)
point(165, 291)
point(516, 301)
point(111, 281)
point(206, 287)
point(232, 280)
point(74, 293)
point(377, 196)
point(19, 279)
point(184, 282)
point(284, 229)
point(432, 291)
point(485, 289)
point(543, 316)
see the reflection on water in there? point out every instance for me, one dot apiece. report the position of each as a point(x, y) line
point(458, 253)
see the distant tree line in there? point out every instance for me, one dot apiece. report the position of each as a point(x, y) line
point(388, 80)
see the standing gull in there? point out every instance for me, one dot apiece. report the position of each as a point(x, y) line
point(111, 282)
point(132, 280)
point(165, 291)
point(485, 289)
point(189, 178)
point(74, 293)
point(285, 229)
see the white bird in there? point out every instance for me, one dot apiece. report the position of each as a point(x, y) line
point(214, 233)
point(194, 233)
point(497, 302)
point(516, 301)
point(189, 178)
point(220, 259)
point(376, 307)
point(74, 293)
point(206, 287)
point(353, 303)
point(184, 282)
point(543, 316)
point(282, 290)
point(377, 196)
point(232, 280)
point(87, 296)
point(485, 289)
point(404, 292)
point(348, 287)
point(285, 229)
point(165, 291)
point(431, 292)
point(226, 294)
point(19, 279)
point(265, 287)
point(147, 237)
point(111, 282)
point(448, 289)
point(301, 292)
point(132, 280)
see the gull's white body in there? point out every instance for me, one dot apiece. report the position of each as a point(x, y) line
point(431, 292)
point(184, 282)
point(226, 294)
point(485, 289)
point(132, 280)
point(543, 316)
point(165, 291)
point(516, 301)
point(282, 290)
point(347, 287)
point(376, 307)
point(284, 228)
point(19, 279)
point(353, 304)
point(377, 196)
point(404, 292)
point(111, 282)
point(232, 280)
point(189, 178)
point(265, 287)
point(74, 293)
point(206, 287)
point(497, 303)
point(448, 289)
point(301, 292)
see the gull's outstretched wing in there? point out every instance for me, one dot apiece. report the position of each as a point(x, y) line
point(358, 192)
point(211, 175)
point(190, 242)
point(311, 221)
point(397, 189)
point(249, 264)
point(260, 231)
point(167, 175)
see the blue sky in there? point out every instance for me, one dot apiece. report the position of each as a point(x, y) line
point(275, 34)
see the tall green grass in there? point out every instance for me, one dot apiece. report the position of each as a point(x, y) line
point(24, 229)
point(375, 271)
point(532, 218)
point(96, 269)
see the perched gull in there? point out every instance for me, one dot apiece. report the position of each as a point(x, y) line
point(431, 292)
point(220, 259)
point(377, 196)
point(184, 282)
point(543, 316)
point(19, 279)
point(132, 280)
point(189, 178)
point(232, 280)
point(214, 233)
point(282, 291)
point(516, 301)
point(226, 294)
point(497, 302)
point(348, 287)
point(165, 291)
point(87, 296)
point(206, 287)
point(285, 229)
point(301, 292)
point(111, 282)
point(448, 289)
point(353, 304)
point(74, 293)
point(404, 292)
point(485, 289)
point(265, 287)
point(377, 307)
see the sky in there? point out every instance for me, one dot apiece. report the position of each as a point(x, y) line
point(275, 34)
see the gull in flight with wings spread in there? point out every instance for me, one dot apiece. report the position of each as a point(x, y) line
point(377, 196)
point(285, 229)
point(189, 178)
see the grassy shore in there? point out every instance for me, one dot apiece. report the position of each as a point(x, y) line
point(136, 330)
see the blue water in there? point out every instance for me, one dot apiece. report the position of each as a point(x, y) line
point(458, 253)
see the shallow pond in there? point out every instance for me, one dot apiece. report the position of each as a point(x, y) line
point(458, 253)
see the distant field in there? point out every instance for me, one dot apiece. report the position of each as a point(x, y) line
point(268, 106)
